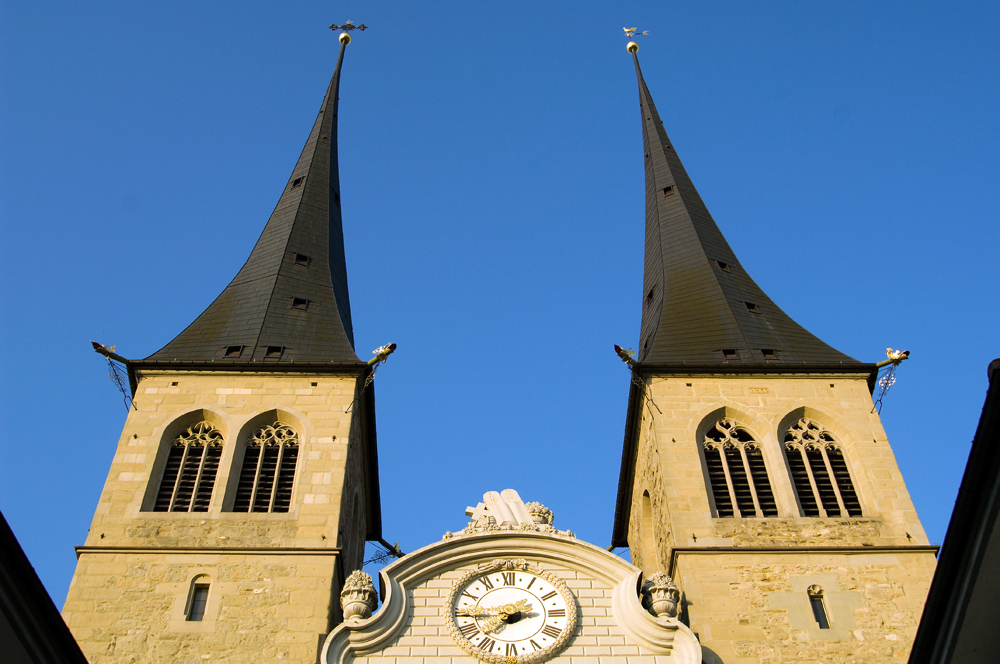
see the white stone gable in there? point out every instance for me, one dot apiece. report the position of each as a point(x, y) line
point(611, 623)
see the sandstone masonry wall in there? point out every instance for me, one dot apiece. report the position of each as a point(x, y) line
point(273, 577)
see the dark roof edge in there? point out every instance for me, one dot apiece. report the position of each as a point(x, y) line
point(371, 455)
point(623, 505)
point(299, 367)
point(740, 368)
point(29, 609)
point(965, 543)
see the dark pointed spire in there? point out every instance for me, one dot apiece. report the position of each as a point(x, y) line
point(700, 307)
point(289, 302)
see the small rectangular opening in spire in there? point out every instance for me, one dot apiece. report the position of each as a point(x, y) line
point(668, 191)
point(752, 308)
point(297, 182)
point(302, 259)
point(233, 352)
point(769, 353)
point(730, 353)
point(273, 352)
point(300, 303)
point(722, 266)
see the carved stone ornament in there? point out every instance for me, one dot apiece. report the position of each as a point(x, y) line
point(540, 514)
point(505, 511)
point(660, 596)
point(510, 611)
point(358, 599)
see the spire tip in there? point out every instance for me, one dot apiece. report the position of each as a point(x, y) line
point(345, 38)
point(632, 47)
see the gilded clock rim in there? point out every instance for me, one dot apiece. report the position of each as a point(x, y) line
point(520, 564)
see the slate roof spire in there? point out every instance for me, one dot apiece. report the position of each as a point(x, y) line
point(700, 307)
point(289, 302)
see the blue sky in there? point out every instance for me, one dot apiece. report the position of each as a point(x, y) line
point(491, 165)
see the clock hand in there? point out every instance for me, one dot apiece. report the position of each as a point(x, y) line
point(474, 610)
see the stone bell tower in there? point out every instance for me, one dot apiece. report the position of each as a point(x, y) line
point(245, 483)
point(755, 472)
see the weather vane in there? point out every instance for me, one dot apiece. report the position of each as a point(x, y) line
point(631, 33)
point(888, 377)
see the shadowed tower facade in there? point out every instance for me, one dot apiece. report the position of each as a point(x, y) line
point(754, 469)
point(245, 482)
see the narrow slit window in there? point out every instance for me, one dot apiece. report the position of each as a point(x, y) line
point(199, 600)
point(819, 472)
point(649, 295)
point(737, 475)
point(189, 474)
point(752, 308)
point(818, 607)
point(722, 266)
point(268, 470)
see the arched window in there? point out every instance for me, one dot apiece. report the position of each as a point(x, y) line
point(819, 472)
point(736, 472)
point(268, 470)
point(189, 475)
point(818, 607)
point(197, 599)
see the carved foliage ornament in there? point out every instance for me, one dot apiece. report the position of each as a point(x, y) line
point(806, 434)
point(510, 611)
point(202, 433)
point(274, 434)
point(725, 433)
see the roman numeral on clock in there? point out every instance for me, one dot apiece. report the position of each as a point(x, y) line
point(508, 578)
point(511, 650)
point(548, 595)
point(468, 631)
point(486, 643)
point(551, 631)
point(557, 613)
point(486, 582)
point(470, 596)
point(534, 645)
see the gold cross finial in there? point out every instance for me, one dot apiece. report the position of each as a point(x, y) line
point(630, 33)
point(345, 37)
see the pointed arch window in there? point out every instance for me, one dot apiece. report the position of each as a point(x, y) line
point(737, 474)
point(189, 475)
point(819, 472)
point(268, 470)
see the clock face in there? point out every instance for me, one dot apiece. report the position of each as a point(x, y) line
point(510, 612)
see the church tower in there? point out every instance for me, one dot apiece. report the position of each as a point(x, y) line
point(754, 470)
point(245, 482)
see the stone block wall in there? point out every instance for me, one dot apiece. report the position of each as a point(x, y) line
point(273, 577)
point(754, 608)
point(670, 467)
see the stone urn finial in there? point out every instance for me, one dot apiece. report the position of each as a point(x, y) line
point(660, 596)
point(539, 513)
point(358, 599)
